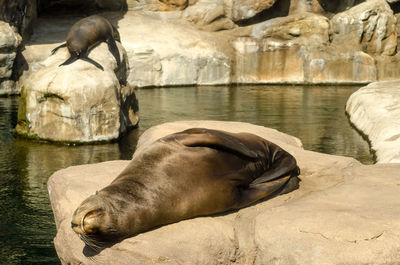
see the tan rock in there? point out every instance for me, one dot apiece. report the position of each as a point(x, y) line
point(201, 44)
point(276, 51)
point(369, 27)
point(158, 5)
point(304, 29)
point(245, 9)
point(183, 56)
point(375, 111)
point(208, 15)
point(343, 213)
point(328, 66)
point(313, 6)
point(77, 102)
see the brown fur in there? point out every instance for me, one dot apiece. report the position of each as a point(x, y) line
point(191, 173)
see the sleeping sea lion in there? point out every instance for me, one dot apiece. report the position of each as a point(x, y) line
point(86, 34)
point(191, 173)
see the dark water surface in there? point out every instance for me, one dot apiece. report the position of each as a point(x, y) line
point(313, 114)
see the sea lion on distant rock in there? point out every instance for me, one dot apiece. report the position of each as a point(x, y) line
point(191, 173)
point(86, 34)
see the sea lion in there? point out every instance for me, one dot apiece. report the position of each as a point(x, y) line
point(191, 173)
point(86, 34)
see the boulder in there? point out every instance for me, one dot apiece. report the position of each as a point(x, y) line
point(208, 15)
point(244, 9)
point(375, 111)
point(182, 56)
point(343, 213)
point(313, 6)
point(9, 45)
point(369, 27)
point(78, 102)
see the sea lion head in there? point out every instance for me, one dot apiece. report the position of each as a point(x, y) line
point(95, 220)
point(75, 49)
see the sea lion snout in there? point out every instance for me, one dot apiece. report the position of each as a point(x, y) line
point(89, 217)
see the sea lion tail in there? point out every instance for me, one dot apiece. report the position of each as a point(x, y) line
point(58, 47)
point(70, 60)
point(87, 59)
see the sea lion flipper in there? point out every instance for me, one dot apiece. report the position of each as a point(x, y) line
point(112, 46)
point(214, 139)
point(286, 165)
point(115, 34)
point(87, 59)
point(58, 47)
point(259, 191)
point(70, 60)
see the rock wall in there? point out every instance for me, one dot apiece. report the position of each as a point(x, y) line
point(187, 42)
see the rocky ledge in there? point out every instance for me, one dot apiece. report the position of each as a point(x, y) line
point(253, 42)
point(375, 111)
point(78, 102)
point(343, 213)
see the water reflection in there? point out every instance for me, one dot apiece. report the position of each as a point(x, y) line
point(314, 114)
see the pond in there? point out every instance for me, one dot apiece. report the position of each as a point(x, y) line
point(315, 114)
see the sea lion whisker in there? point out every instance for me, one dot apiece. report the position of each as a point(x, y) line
point(92, 243)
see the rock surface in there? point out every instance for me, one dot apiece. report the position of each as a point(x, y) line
point(343, 213)
point(9, 44)
point(375, 111)
point(78, 102)
point(223, 42)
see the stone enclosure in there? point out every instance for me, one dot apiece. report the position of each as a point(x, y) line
point(342, 206)
point(201, 42)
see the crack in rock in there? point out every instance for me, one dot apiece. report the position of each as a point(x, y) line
point(346, 240)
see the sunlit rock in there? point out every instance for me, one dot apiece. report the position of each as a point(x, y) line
point(369, 27)
point(165, 54)
point(277, 50)
point(328, 66)
point(158, 5)
point(245, 9)
point(209, 15)
point(78, 102)
point(375, 111)
point(343, 213)
point(223, 42)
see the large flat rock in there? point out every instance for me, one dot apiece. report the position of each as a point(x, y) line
point(343, 213)
point(375, 111)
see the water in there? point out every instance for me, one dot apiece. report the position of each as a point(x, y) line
point(313, 114)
